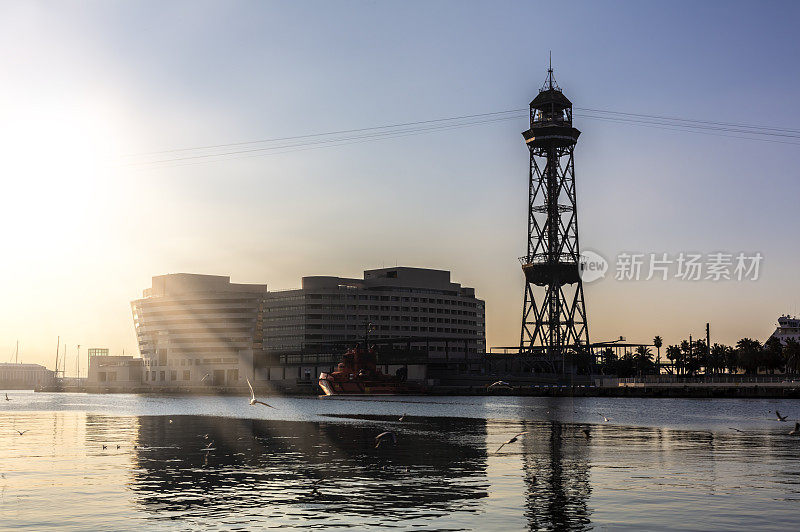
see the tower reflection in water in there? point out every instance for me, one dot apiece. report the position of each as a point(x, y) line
point(556, 471)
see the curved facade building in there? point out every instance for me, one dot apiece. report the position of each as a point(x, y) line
point(417, 306)
point(196, 330)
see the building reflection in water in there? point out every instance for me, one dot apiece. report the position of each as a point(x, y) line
point(308, 470)
point(556, 473)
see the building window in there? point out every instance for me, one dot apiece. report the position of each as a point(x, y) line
point(162, 375)
point(186, 374)
point(173, 375)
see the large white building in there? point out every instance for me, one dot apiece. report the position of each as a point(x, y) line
point(421, 307)
point(198, 330)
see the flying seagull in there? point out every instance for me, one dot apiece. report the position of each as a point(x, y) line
point(780, 417)
point(7, 399)
point(606, 419)
point(512, 440)
point(403, 417)
point(21, 432)
point(205, 377)
point(253, 400)
point(737, 430)
point(385, 437)
point(500, 384)
point(796, 429)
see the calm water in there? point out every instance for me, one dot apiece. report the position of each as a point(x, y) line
point(311, 463)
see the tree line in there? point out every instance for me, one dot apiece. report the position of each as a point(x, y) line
point(692, 359)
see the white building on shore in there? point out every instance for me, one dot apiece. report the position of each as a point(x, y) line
point(198, 330)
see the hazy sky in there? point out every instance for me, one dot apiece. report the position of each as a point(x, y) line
point(85, 84)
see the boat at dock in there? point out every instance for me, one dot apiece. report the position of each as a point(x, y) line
point(358, 374)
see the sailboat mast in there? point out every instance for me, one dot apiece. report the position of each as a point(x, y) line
point(58, 346)
point(16, 354)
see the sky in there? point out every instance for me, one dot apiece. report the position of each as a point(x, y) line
point(90, 88)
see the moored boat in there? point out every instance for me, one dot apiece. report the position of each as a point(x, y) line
point(358, 374)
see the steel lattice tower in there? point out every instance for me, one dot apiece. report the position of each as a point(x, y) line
point(553, 314)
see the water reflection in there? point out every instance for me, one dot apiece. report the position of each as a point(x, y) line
point(328, 471)
point(556, 473)
point(324, 472)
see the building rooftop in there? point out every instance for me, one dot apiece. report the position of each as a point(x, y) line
point(186, 283)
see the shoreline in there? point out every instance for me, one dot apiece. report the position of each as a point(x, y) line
point(698, 391)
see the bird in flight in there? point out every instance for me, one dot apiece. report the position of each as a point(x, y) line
point(7, 399)
point(253, 400)
point(21, 432)
point(500, 384)
point(205, 377)
point(385, 437)
point(403, 417)
point(796, 429)
point(737, 430)
point(606, 419)
point(780, 417)
point(509, 442)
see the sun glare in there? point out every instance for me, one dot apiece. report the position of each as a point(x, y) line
point(53, 170)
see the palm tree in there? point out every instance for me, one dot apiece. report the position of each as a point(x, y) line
point(674, 356)
point(749, 352)
point(643, 358)
point(658, 342)
point(791, 353)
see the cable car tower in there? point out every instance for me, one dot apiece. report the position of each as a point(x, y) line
point(553, 314)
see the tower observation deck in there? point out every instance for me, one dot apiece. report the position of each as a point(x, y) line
point(553, 315)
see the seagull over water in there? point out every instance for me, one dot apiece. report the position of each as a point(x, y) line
point(512, 440)
point(21, 432)
point(7, 399)
point(253, 400)
point(385, 437)
point(606, 419)
point(403, 417)
point(780, 417)
point(796, 430)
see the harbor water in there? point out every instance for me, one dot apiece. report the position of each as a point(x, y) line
point(128, 462)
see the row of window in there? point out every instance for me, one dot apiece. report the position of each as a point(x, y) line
point(362, 297)
point(188, 361)
point(392, 308)
point(229, 376)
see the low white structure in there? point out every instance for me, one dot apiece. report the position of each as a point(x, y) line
point(118, 373)
point(24, 376)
